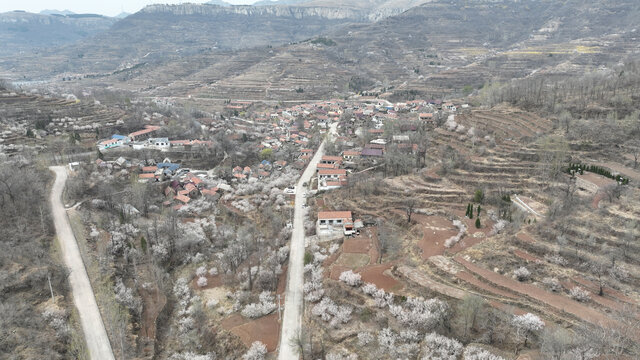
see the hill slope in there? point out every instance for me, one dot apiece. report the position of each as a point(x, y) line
point(22, 31)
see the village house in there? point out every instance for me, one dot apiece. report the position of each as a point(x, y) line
point(110, 144)
point(371, 153)
point(330, 174)
point(144, 133)
point(449, 107)
point(328, 159)
point(161, 144)
point(426, 117)
point(334, 222)
point(325, 166)
point(350, 155)
point(280, 164)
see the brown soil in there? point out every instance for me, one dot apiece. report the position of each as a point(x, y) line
point(212, 282)
point(232, 321)
point(595, 203)
point(336, 270)
point(153, 302)
point(560, 303)
point(282, 281)
point(377, 274)
point(436, 230)
point(359, 245)
point(265, 329)
point(524, 236)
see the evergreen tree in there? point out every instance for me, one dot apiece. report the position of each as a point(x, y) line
point(478, 212)
point(470, 211)
point(478, 223)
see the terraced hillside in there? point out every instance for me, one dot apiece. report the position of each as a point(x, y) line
point(580, 254)
point(31, 119)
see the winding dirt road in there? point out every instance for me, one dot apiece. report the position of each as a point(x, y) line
point(94, 332)
point(292, 319)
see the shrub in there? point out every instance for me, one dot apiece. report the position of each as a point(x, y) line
point(478, 196)
point(579, 294)
point(201, 271)
point(522, 273)
point(202, 281)
point(307, 257)
point(364, 338)
point(552, 284)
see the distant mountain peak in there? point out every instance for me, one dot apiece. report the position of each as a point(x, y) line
point(57, 12)
point(219, 3)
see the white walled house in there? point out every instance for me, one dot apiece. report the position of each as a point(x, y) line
point(334, 222)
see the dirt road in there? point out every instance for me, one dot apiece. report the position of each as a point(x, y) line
point(291, 322)
point(94, 332)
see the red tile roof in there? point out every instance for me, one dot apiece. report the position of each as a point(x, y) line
point(331, 158)
point(183, 198)
point(332, 172)
point(326, 215)
point(146, 130)
point(326, 166)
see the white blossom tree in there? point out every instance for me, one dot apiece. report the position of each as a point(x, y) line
point(257, 351)
point(438, 347)
point(350, 278)
point(522, 273)
point(473, 352)
point(526, 325)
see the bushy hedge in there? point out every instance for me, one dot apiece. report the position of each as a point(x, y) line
point(581, 168)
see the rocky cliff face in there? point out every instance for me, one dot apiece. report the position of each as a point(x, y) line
point(282, 11)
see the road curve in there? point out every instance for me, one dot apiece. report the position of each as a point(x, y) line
point(292, 319)
point(94, 332)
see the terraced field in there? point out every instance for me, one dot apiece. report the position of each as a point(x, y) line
point(20, 112)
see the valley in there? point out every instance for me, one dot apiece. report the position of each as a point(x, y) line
point(320, 180)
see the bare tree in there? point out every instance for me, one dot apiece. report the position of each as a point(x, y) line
point(469, 309)
point(410, 206)
point(634, 148)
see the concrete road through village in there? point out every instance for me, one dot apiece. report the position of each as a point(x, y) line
point(94, 332)
point(292, 319)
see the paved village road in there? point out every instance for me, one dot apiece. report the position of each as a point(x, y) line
point(292, 319)
point(94, 332)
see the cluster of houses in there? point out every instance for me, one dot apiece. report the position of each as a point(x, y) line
point(181, 192)
point(143, 139)
point(262, 171)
